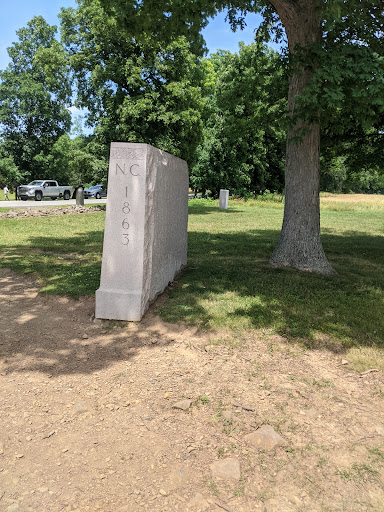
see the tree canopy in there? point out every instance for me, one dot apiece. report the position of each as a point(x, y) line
point(327, 39)
point(139, 71)
point(34, 92)
point(137, 90)
point(244, 136)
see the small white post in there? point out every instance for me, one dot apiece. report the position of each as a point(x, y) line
point(223, 199)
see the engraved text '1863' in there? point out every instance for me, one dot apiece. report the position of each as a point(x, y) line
point(127, 170)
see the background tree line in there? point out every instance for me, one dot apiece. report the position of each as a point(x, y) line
point(224, 114)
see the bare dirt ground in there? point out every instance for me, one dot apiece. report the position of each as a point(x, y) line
point(88, 419)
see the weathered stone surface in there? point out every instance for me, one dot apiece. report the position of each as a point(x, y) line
point(183, 405)
point(198, 503)
point(223, 199)
point(145, 237)
point(82, 407)
point(226, 469)
point(265, 438)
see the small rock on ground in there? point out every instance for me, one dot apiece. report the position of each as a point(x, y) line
point(184, 405)
point(198, 503)
point(265, 438)
point(227, 469)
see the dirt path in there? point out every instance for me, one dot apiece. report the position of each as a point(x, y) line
point(88, 423)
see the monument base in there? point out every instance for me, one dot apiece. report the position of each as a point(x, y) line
point(119, 305)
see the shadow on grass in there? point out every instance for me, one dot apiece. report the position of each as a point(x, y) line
point(229, 284)
point(65, 266)
point(200, 207)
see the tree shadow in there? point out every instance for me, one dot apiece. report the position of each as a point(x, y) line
point(204, 209)
point(65, 266)
point(228, 284)
point(335, 312)
point(58, 337)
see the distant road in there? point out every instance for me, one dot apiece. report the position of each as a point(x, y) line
point(31, 203)
point(45, 202)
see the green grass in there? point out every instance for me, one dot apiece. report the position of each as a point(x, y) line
point(63, 251)
point(229, 285)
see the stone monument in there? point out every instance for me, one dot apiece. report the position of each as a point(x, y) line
point(223, 199)
point(145, 237)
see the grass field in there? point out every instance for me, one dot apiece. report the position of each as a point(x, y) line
point(228, 285)
point(64, 251)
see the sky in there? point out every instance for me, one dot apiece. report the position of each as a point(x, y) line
point(15, 14)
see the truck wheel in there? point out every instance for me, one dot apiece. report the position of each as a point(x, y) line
point(98, 196)
point(38, 196)
point(66, 195)
point(24, 198)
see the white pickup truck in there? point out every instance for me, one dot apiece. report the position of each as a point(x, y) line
point(38, 189)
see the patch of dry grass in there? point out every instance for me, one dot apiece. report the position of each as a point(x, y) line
point(356, 201)
point(361, 358)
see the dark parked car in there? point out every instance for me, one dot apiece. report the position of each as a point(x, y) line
point(96, 191)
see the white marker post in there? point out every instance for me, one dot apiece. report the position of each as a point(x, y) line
point(223, 199)
point(145, 238)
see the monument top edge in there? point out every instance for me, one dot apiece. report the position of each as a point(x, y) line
point(130, 144)
point(128, 150)
point(135, 151)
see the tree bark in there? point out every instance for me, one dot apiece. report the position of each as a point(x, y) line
point(299, 245)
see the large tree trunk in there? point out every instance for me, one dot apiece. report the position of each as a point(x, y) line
point(299, 245)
